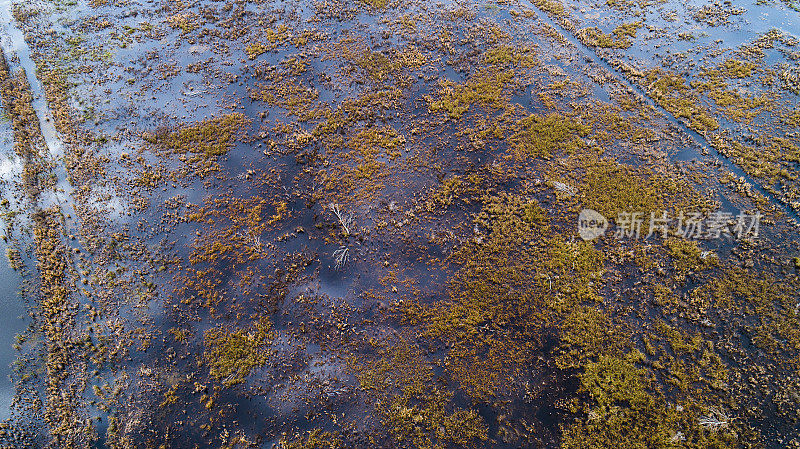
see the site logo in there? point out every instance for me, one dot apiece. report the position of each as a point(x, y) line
point(694, 225)
point(591, 224)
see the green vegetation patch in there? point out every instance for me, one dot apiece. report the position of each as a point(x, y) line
point(626, 5)
point(427, 424)
point(552, 7)
point(205, 140)
point(379, 66)
point(611, 188)
point(315, 439)
point(232, 355)
point(540, 136)
point(255, 50)
point(586, 333)
point(379, 4)
point(506, 54)
point(413, 409)
point(688, 256)
point(628, 412)
point(186, 22)
point(17, 101)
point(733, 68)
point(771, 303)
point(507, 290)
point(736, 106)
point(287, 93)
point(620, 37)
point(484, 88)
point(672, 93)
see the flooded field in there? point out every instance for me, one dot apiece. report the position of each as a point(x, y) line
point(376, 223)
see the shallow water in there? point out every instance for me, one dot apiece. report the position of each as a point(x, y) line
point(395, 257)
point(13, 321)
point(702, 148)
point(12, 303)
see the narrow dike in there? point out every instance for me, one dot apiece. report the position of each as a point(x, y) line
point(567, 31)
point(66, 377)
point(28, 140)
point(55, 309)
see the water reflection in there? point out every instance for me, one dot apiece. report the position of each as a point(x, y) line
point(12, 322)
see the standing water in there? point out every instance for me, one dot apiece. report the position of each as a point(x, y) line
point(12, 322)
point(12, 308)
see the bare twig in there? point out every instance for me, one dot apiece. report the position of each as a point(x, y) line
point(345, 221)
point(254, 241)
point(341, 256)
point(715, 420)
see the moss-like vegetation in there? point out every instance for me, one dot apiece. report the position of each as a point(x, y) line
point(54, 77)
point(627, 414)
point(733, 68)
point(270, 40)
point(379, 4)
point(255, 50)
point(447, 193)
point(675, 96)
point(620, 38)
point(64, 401)
point(471, 313)
point(626, 5)
point(553, 7)
point(210, 138)
point(371, 143)
point(376, 64)
point(230, 244)
point(363, 162)
point(315, 439)
point(540, 136)
point(425, 422)
point(736, 106)
point(687, 256)
point(612, 188)
point(28, 141)
point(202, 143)
point(412, 411)
point(774, 165)
point(484, 88)
point(231, 356)
point(765, 298)
point(185, 22)
point(14, 258)
point(380, 66)
point(627, 30)
point(508, 55)
point(586, 334)
point(288, 94)
point(506, 290)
